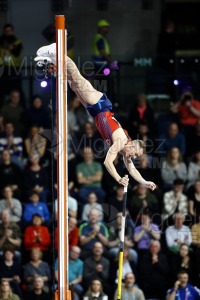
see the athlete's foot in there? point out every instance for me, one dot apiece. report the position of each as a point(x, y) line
point(47, 52)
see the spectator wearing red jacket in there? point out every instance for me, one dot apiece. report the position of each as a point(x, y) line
point(37, 235)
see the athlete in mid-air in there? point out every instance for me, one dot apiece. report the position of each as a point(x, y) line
point(99, 107)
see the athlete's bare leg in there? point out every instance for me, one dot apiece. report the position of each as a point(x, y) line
point(81, 86)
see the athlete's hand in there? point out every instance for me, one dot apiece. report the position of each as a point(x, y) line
point(150, 185)
point(124, 181)
point(41, 61)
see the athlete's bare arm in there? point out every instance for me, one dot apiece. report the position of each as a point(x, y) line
point(136, 175)
point(112, 153)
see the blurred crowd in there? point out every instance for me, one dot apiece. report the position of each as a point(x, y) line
point(162, 227)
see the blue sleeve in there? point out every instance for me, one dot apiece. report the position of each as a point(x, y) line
point(27, 213)
point(100, 44)
point(46, 212)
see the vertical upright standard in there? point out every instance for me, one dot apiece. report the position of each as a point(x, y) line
point(63, 292)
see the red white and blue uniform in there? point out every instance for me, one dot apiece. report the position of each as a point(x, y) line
point(104, 118)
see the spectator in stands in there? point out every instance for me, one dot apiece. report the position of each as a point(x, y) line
point(10, 174)
point(142, 200)
point(153, 271)
point(114, 239)
point(35, 207)
point(182, 289)
point(181, 261)
point(13, 143)
point(11, 204)
point(37, 114)
point(12, 111)
point(73, 233)
point(10, 269)
point(96, 266)
point(173, 139)
point(196, 245)
point(11, 53)
point(141, 111)
point(174, 201)
point(117, 200)
point(72, 206)
point(146, 232)
point(194, 169)
point(38, 290)
point(6, 291)
point(92, 232)
point(36, 267)
point(144, 135)
point(72, 119)
point(37, 235)
point(128, 266)
point(36, 179)
point(92, 204)
point(95, 291)
point(130, 290)
point(178, 234)
point(193, 140)
point(194, 200)
point(75, 270)
point(90, 138)
point(89, 176)
point(172, 168)
point(35, 143)
point(10, 233)
point(189, 110)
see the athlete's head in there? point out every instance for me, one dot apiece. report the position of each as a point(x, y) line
point(134, 148)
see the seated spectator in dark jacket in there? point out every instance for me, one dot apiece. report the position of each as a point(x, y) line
point(11, 204)
point(92, 232)
point(141, 111)
point(181, 261)
point(142, 200)
point(36, 179)
point(36, 266)
point(11, 269)
point(194, 200)
point(37, 114)
point(153, 271)
point(38, 290)
point(96, 266)
point(35, 143)
point(10, 233)
point(193, 141)
point(173, 139)
point(13, 143)
point(12, 111)
point(37, 235)
point(35, 207)
point(10, 174)
point(194, 170)
point(6, 291)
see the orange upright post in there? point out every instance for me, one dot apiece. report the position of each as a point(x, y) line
point(63, 292)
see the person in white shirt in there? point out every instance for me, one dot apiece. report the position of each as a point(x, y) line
point(92, 204)
point(174, 200)
point(178, 234)
point(11, 204)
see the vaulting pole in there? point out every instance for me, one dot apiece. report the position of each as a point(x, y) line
point(121, 247)
point(63, 292)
